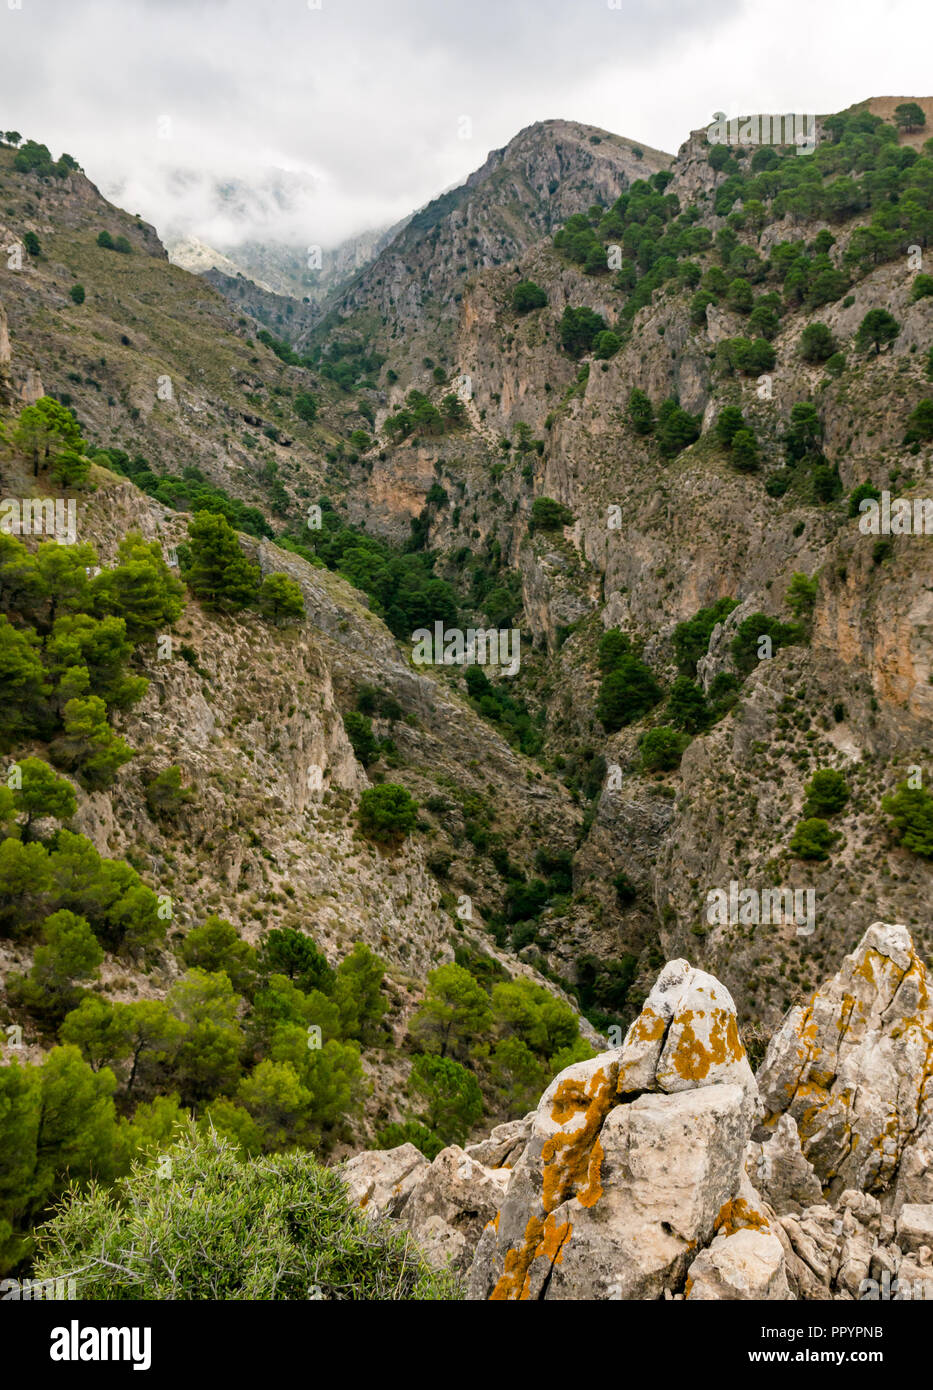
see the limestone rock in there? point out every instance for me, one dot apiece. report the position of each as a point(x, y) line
point(633, 1160)
point(454, 1198)
point(685, 1036)
point(505, 1144)
point(915, 1227)
point(748, 1264)
point(780, 1172)
point(853, 1068)
point(382, 1180)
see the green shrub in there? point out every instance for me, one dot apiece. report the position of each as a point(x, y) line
point(826, 793)
point(676, 429)
point(282, 1227)
point(862, 493)
point(410, 1132)
point(76, 294)
point(817, 343)
point(166, 796)
point(640, 412)
point(548, 515)
point(691, 637)
point(388, 813)
point(448, 1094)
point(920, 422)
point(662, 749)
point(911, 810)
point(813, 839)
point(627, 692)
point(526, 295)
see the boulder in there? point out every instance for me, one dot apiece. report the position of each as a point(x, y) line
point(632, 1157)
point(381, 1180)
point(914, 1227)
point(505, 1144)
point(778, 1169)
point(852, 1068)
point(453, 1200)
point(747, 1265)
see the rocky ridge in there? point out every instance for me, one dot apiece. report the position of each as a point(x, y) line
point(665, 1169)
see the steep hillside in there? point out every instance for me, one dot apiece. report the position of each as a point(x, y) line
point(661, 530)
point(632, 409)
point(409, 295)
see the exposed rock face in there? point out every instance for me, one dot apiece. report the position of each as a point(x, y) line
point(748, 1264)
point(853, 1069)
point(382, 1180)
point(635, 1177)
point(780, 1172)
point(632, 1157)
point(445, 1204)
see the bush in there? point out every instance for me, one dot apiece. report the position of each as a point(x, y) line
point(827, 793)
point(280, 597)
point(676, 429)
point(920, 422)
point(410, 1132)
point(360, 733)
point(691, 637)
point(662, 749)
point(526, 295)
point(578, 329)
point(606, 344)
point(105, 240)
point(728, 423)
point(31, 243)
point(744, 451)
point(76, 293)
point(911, 810)
point(627, 692)
point(747, 640)
point(305, 407)
point(283, 1227)
point(862, 493)
point(387, 813)
point(219, 573)
point(686, 706)
point(449, 1094)
point(165, 795)
point(877, 327)
point(548, 515)
point(813, 839)
point(640, 412)
point(817, 343)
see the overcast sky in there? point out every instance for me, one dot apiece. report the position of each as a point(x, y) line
point(355, 108)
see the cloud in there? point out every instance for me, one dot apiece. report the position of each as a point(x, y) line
point(273, 120)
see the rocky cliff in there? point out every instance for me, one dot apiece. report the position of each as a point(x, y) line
point(665, 1169)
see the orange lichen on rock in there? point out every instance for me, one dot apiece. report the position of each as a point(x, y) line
point(573, 1160)
point(648, 1027)
point(692, 1058)
point(544, 1239)
point(737, 1215)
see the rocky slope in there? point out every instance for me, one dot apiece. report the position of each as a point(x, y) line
point(665, 1169)
point(262, 705)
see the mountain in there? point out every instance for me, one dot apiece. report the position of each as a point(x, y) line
point(520, 194)
point(628, 406)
